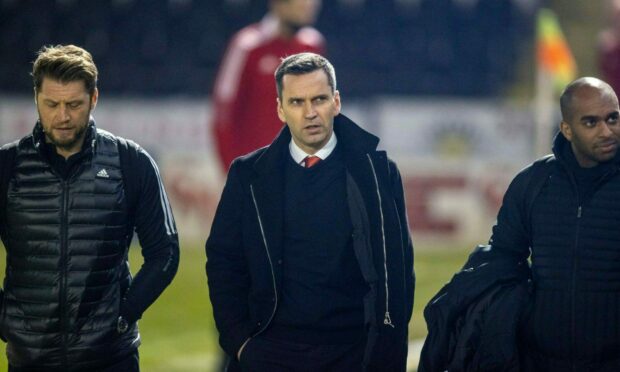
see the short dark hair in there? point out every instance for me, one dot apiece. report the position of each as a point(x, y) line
point(566, 99)
point(65, 63)
point(304, 63)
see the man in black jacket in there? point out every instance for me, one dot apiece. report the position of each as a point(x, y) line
point(569, 230)
point(310, 262)
point(71, 196)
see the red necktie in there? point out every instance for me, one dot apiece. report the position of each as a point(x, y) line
point(310, 161)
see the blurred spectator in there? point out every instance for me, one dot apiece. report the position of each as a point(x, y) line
point(609, 46)
point(244, 96)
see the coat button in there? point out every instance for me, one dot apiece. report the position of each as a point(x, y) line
point(279, 262)
point(258, 324)
point(273, 299)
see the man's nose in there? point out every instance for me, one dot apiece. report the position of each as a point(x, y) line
point(63, 112)
point(606, 131)
point(309, 110)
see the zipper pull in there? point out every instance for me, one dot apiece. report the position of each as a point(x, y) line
point(579, 212)
point(387, 320)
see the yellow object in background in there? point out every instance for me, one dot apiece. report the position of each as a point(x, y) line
point(553, 52)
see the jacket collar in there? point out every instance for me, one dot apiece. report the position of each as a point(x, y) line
point(352, 139)
point(269, 178)
point(560, 143)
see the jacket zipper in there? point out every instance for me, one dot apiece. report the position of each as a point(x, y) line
point(273, 275)
point(63, 270)
point(387, 320)
point(575, 251)
point(573, 290)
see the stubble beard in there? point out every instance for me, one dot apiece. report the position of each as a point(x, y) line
point(68, 143)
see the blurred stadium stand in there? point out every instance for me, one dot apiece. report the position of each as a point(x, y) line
point(170, 47)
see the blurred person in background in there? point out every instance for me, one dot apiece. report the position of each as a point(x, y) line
point(609, 46)
point(243, 100)
point(562, 213)
point(71, 196)
point(310, 261)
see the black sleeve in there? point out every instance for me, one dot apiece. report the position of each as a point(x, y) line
point(399, 199)
point(154, 223)
point(7, 157)
point(227, 270)
point(510, 236)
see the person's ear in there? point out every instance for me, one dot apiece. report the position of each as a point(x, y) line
point(566, 130)
point(337, 102)
point(93, 99)
point(280, 110)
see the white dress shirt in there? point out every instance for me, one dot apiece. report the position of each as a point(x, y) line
point(300, 155)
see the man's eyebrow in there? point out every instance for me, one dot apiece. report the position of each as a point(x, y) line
point(589, 117)
point(76, 100)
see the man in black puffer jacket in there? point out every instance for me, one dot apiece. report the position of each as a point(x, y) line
point(570, 232)
point(71, 196)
